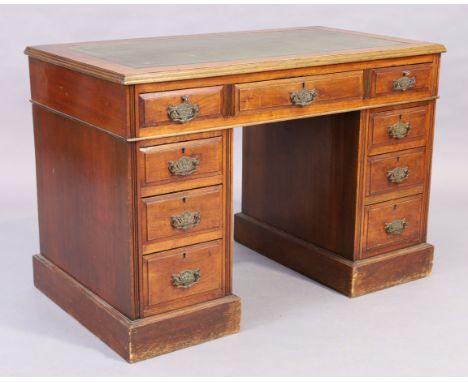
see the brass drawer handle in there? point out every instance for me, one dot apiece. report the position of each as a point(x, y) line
point(183, 112)
point(183, 166)
point(396, 227)
point(405, 82)
point(303, 97)
point(186, 220)
point(399, 130)
point(186, 279)
point(398, 174)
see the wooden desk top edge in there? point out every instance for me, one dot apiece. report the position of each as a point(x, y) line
point(63, 55)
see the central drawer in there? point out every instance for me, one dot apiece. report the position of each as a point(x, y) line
point(300, 93)
point(182, 218)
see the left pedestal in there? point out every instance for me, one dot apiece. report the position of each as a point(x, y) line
point(136, 340)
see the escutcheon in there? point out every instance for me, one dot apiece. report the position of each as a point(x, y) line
point(186, 220)
point(399, 130)
point(186, 279)
point(404, 83)
point(184, 112)
point(183, 166)
point(398, 174)
point(396, 227)
point(303, 97)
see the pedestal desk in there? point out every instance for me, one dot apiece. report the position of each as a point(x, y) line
point(134, 160)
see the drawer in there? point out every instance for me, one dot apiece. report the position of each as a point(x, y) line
point(182, 165)
point(180, 106)
point(392, 225)
point(398, 129)
point(396, 171)
point(182, 218)
point(403, 81)
point(300, 93)
point(182, 277)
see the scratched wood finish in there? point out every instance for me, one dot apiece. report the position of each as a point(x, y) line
point(352, 278)
point(160, 295)
point(316, 195)
point(136, 340)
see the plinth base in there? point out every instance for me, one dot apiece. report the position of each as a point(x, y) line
point(138, 339)
point(352, 278)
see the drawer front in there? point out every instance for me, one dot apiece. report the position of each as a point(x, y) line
point(403, 81)
point(180, 106)
point(392, 225)
point(182, 165)
point(398, 129)
point(300, 93)
point(182, 277)
point(396, 171)
point(182, 218)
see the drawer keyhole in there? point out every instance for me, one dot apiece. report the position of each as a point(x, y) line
point(184, 199)
point(183, 150)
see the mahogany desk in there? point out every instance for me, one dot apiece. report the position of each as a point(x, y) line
point(134, 160)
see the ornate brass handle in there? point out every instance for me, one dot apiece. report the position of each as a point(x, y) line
point(398, 174)
point(186, 279)
point(404, 83)
point(396, 227)
point(183, 112)
point(186, 220)
point(183, 166)
point(399, 130)
point(303, 97)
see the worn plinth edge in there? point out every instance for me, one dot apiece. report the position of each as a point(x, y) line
point(139, 339)
point(352, 278)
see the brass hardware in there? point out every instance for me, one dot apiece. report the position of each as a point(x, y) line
point(399, 130)
point(396, 227)
point(183, 166)
point(184, 112)
point(404, 83)
point(398, 174)
point(186, 220)
point(186, 279)
point(303, 97)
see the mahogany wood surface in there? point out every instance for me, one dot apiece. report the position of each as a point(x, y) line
point(154, 165)
point(380, 121)
point(301, 176)
point(85, 201)
point(136, 340)
point(159, 295)
point(352, 278)
point(131, 198)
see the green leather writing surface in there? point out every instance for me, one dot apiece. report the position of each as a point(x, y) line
point(186, 50)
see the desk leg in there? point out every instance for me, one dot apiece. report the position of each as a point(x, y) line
point(303, 204)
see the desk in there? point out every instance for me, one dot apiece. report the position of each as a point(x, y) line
point(133, 146)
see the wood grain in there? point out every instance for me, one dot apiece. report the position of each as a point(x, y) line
point(159, 295)
point(85, 202)
point(136, 340)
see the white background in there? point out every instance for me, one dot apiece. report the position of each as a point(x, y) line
point(290, 324)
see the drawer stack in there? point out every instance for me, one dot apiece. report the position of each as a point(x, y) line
point(396, 171)
point(182, 215)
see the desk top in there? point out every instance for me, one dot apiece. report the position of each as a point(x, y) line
point(160, 59)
